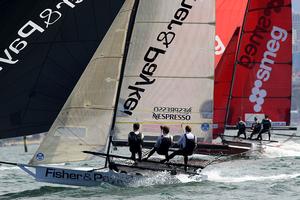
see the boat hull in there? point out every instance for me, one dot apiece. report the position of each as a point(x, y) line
point(77, 177)
point(232, 148)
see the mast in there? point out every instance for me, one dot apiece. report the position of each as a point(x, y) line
point(127, 42)
point(235, 66)
point(25, 145)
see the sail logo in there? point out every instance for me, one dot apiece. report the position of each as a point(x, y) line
point(220, 47)
point(153, 53)
point(49, 17)
point(264, 72)
point(39, 156)
point(205, 127)
point(172, 113)
point(258, 96)
point(264, 25)
point(55, 173)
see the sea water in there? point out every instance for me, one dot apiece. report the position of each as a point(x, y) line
point(274, 173)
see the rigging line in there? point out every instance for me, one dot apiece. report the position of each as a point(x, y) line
point(94, 19)
point(59, 66)
point(235, 64)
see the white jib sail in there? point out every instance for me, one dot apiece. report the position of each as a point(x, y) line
point(85, 121)
point(169, 69)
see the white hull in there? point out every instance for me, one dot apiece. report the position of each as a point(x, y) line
point(79, 177)
point(76, 177)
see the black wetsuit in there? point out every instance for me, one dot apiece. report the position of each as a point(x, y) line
point(242, 129)
point(162, 148)
point(135, 142)
point(266, 124)
point(188, 150)
point(256, 127)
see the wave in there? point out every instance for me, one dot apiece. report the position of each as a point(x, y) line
point(282, 149)
point(42, 191)
point(4, 168)
point(217, 177)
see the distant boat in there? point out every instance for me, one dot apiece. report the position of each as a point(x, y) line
point(262, 71)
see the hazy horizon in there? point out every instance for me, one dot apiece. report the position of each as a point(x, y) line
point(296, 6)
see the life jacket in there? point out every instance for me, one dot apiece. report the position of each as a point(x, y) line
point(241, 126)
point(256, 127)
point(135, 142)
point(266, 124)
point(164, 146)
point(189, 145)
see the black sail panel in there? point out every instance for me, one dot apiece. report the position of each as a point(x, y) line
point(44, 47)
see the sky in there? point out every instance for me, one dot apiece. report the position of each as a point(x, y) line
point(296, 5)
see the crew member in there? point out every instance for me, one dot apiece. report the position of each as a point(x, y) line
point(266, 127)
point(163, 143)
point(187, 144)
point(135, 142)
point(256, 127)
point(241, 126)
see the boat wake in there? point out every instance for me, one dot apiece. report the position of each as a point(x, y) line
point(4, 168)
point(216, 176)
point(282, 149)
point(163, 178)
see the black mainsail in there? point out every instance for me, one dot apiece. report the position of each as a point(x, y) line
point(44, 48)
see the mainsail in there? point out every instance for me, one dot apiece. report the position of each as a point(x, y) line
point(85, 121)
point(166, 76)
point(45, 47)
point(223, 81)
point(263, 70)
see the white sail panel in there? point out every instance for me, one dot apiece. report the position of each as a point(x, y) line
point(169, 69)
point(85, 121)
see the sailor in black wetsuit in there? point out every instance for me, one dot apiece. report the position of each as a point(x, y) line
point(256, 127)
point(162, 144)
point(187, 144)
point(135, 142)
point(241, 126)
point(266, 127)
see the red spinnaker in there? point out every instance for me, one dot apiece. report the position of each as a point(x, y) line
point(223, 82)
point(230, 15)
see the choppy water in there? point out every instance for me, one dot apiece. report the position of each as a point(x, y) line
point(275, 174)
